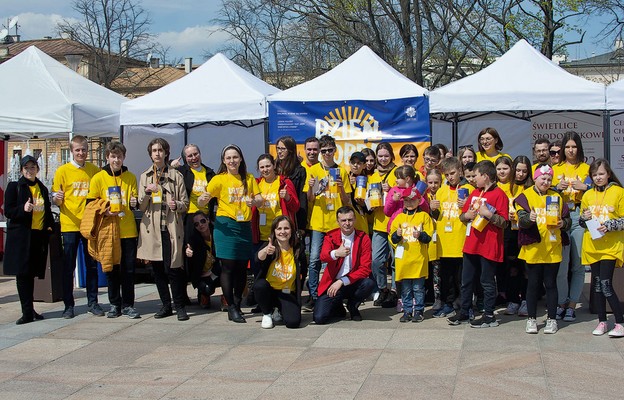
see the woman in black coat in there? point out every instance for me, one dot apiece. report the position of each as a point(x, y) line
point(27, 206)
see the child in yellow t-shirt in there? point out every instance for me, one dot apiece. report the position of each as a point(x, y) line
point(603, 248)
point(542, 214)
point(410, 234)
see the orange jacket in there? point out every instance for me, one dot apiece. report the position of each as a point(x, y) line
point(103, 234)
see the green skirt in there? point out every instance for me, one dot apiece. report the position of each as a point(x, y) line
point(232, 239)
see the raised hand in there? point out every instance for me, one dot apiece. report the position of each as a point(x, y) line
point(270, 248)
point(28, 207)
point(189, 251)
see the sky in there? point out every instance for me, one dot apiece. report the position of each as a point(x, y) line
point(187, 26)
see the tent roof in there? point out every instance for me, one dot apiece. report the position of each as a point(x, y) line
point(219, 90)
point(41, 96)
point(522, 79)
point(615, 95)
point(363, 76)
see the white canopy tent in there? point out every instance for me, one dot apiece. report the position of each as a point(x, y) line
point(43, 98)
point(363, 76)
point(521, 84)
point(217, 104)
point(615, 96)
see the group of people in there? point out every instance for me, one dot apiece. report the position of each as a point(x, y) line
point(477, 226)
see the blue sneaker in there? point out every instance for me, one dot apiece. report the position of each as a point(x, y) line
point(446, 311)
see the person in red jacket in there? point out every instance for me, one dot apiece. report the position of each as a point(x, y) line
point(347, 253)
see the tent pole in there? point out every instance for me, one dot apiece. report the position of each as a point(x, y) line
point(121, 132)
point(266, 135)
point(455, 130)
point(606, 137)
point(185, 134)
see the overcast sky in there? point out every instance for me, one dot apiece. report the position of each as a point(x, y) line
point(185, 25)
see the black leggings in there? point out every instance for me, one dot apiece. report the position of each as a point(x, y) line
point(267, 298)
point(233, 280)
point(602, 284)
point(539, 274)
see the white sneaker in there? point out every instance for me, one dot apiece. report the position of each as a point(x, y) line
point(523, 311)
point(277, 316)
point(551, 326)
point(617, 331)
point(531, 325)
point(601, 329)
point(512, 308)
point(267, 321)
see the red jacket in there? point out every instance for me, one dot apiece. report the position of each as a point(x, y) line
point(289, 207)
point(361, 254)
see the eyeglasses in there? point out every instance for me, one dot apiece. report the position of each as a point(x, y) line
point(328, 151)
point(201, 221)
point(554, 152)
point(431, 160)
point(486, 140)
point(280, 149)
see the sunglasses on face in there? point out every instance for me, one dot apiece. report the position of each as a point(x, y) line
point(201, 221)
point(467, 146)
point(327, 151)
point(554, 152)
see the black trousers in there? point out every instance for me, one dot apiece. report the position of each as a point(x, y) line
point(354, 293)
point(546, 275)
point(450, 279)
point(26, 281)
point(267, 298)
point(164, 276)
point(121, 278)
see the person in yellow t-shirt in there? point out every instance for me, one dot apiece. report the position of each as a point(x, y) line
point(278, 286)
point(490, 145)
point(118, 185)
point(385, 178)
point(542, 216)
point(410, 235)
point(603, 247)
point(328, 189)
point(451, 233)
point(236, 192)
point(27, 206)
point(571, 179)
point(69, 191)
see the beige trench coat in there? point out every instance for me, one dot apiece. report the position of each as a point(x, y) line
point(150, 246)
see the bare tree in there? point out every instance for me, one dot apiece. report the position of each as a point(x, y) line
point(115, 31)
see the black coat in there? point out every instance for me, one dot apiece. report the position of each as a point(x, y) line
point(20, 257)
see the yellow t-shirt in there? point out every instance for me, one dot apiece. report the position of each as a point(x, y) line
point(414, 262)
point(283, 272)
point(74, 182)
point(450, 230)
point(549, 249)
point(361, 220)
point(228, 189)
point(271, 208)
point(323, 217)
point(199, 187)
point(380, 221)
point(481, 156)
point(38, 211)
point(604, 206)
point(307, 167)
point(511, 195)
point(127, 180)
point(564, 171)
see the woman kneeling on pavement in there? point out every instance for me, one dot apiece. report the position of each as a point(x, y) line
point(278, 287)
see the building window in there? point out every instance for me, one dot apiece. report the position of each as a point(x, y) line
point(65, 156)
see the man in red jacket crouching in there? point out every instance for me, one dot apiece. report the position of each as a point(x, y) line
point(347, 253)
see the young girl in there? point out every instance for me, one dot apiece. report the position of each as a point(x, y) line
point(571, 179)
point(540, 237)
point(410, 232)
point(278, 287)
point(371, 161)
point(434, 181)
point(466, 155)
point(505, 176)
point(603, 248)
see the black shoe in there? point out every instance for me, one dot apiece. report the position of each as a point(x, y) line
point(309, 305)
point(114, 312)
point(391, 300)
point(383, 295)
point(458, 319)
point(181, 313)
point(24, 320)
point(406, 317)
point(338, 311)
point(37, 316)
point(235, 315)
point(418, 316)
point(164, 312)
point(486, 321)
point(354, 312)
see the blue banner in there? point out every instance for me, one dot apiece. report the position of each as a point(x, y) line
point(398, 120)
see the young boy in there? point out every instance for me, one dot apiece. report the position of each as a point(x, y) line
point(470, 174)
point(410, 234)
point(431, 159)
point(451, 233)
point(486, 213)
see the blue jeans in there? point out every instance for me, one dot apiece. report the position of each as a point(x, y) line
point(488, 282)
point(70, 251)
point(381, 251)
point(314, 270)
point(413, 290)
point(572, 261)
